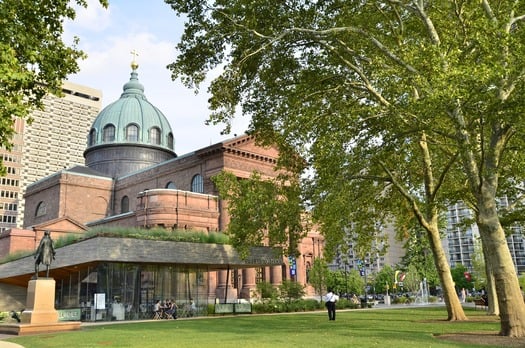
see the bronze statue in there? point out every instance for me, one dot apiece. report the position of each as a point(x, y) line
point(45, 253)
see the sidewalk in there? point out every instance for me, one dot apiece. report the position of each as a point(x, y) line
point(5, 344)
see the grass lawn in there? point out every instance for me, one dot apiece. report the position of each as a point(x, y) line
point(404, 327)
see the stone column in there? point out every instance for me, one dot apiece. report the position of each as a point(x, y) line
point(224, 288)
point(212, 285)
point(276, 275)
point(248, 283)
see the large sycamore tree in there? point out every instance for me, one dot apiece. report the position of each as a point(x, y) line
point(398, 107)
point(34, 60)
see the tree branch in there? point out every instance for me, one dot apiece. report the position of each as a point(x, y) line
point(353, 67)
point(420, 8)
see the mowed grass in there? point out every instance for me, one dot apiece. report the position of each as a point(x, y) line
point(405, 327)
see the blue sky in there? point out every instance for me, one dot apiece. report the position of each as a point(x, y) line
point(152, 29)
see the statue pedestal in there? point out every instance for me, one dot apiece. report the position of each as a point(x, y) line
point(40, 302)
point(40, 314)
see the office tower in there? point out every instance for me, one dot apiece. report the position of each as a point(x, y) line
point(54, 140)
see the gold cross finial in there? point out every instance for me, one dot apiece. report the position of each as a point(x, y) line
point(134, 64)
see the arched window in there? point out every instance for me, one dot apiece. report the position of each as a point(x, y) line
point(108, 134)
point(92, 140)
point(124, 204)
point(171, 185)
point(40, 209)
point(170, 141)
point(197, 184)
point(132, 133)
point(154, 136)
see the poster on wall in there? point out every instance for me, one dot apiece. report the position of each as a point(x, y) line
point(100, 301)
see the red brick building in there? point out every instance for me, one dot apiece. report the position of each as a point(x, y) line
point(134, 178)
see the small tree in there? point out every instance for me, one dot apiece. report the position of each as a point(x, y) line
point(478, 265)
point(459, 275)
point(318, 275)
point(266, 290)
point(290, 290)
point(351, 282)
point(384, 280)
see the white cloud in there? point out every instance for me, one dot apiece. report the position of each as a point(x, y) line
point(93, 18)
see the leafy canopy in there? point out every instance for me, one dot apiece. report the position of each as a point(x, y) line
point(261, 212)
point(34, 60)
point(367, 91)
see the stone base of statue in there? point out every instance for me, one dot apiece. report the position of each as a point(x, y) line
point(40, 314)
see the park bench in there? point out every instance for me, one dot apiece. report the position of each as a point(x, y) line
point(480, 302)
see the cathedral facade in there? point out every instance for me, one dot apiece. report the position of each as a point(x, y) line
point(133, 178)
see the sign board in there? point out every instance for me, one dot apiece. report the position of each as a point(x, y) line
point(243, 307)
point(100, 301)
point(224, 308)
point(70, 314)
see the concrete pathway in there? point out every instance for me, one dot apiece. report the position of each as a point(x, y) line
point(5, 344)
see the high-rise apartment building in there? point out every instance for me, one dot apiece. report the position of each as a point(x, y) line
point(461, 239)
point(54, 140)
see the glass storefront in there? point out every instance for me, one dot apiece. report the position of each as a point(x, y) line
point(123, 291)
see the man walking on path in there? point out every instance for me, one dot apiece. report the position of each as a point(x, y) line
point(331, 299)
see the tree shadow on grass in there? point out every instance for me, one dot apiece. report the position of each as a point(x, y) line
point(481, 338)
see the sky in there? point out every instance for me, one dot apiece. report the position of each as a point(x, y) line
point(152, 29)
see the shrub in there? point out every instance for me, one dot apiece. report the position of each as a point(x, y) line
point(432, 299)
point(266, 290)
point(290, 290)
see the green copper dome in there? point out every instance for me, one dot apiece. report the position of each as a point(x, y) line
point(132, 119)
point(129, 134)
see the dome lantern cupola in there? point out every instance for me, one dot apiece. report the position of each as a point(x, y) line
point(129, 134)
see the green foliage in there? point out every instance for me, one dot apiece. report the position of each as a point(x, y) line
point(397, 108)
point(158, 234)
point(384, 279)
point(317, 275)
point(15, 256)
point(129, 232)
point(266, 290)
point(458, 274)
point(290, 290)
point(521, 280)
point(412, 279)
point(479, 272)
point(262, 211)
point(33, 58)
point(418, 254)
point(349, 282)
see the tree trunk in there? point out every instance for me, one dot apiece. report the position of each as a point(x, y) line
point(493, 307)
point(508, 293)
point(454, 308)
